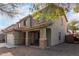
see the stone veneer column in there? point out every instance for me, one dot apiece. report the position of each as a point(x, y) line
point(43, 39)
point(27, 42)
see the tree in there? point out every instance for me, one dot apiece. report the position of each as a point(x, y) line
point(11, 9)
point(73, 26)
point(50, 12)
point(66, 6)
point(76, 8)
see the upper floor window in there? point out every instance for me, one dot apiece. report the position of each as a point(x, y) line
point(61, 21)
point(27, 22)
point(24, 22)
point(19, 24)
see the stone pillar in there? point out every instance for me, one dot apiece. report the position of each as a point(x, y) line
point(27, 41)
point(43, 39)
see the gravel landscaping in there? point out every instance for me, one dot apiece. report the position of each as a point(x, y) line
point(64, 49)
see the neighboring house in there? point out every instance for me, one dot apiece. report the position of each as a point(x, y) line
point(29, 32)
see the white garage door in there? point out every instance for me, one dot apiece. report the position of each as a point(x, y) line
point(10, 39)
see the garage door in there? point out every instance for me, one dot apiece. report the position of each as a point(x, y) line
point(10, 39)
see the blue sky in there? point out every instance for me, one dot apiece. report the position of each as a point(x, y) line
point(71, 15)
point(6, 21)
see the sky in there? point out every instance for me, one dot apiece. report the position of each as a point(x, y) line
point(6, 21)
point(71, 15)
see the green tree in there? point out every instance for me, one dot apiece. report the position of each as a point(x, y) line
point(51, 12)
point(73, 26)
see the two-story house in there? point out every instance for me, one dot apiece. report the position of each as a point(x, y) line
point(29, 32)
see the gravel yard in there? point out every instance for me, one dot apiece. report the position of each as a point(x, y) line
point(64, 49)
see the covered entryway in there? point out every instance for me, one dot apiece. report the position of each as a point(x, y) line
point(34, 38)
point(19, 38)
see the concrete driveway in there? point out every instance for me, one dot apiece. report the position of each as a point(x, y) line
point(64, 49)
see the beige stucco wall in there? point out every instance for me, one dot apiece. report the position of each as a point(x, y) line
point(21, 23)
point(56, 28)
point(26, 21)
point(10, 38)
point(65, 25)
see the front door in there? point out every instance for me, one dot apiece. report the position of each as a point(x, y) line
point(34, 38)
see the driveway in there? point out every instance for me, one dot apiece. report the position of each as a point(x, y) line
point(64, 49)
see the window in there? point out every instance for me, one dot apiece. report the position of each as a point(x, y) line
point(19, 24)
point(59, 35)
point(24, 22)
point(27, 22)
point(61, 21)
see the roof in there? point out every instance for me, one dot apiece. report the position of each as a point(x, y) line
point(24, 18)
point(41, 25)
point(36, 27)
